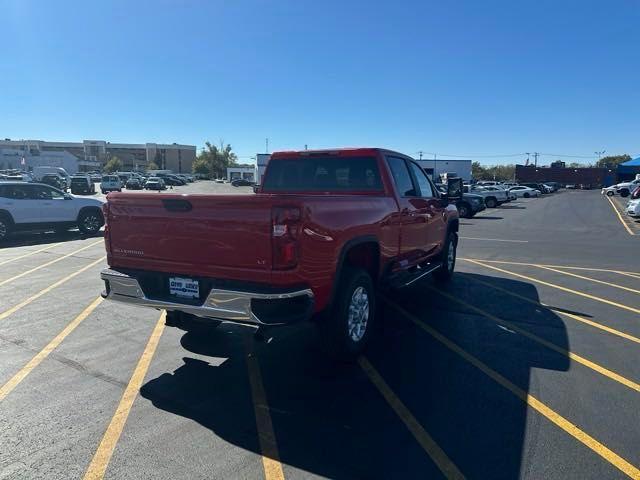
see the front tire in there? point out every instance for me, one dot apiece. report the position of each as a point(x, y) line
point(5, 227)
point(610, 193)
point(448, 262)
point(347, 328)
point(90, 222)
point(464, 210)
point(527, 194)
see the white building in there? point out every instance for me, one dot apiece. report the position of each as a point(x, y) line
point(246, 172)
point(262, 159)
point(11, 158)
point(439, 169)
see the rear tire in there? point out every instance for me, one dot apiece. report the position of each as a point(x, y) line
point(347, 328)
point(90, 221)
point(448, 262)
point(624, 192)
point(491, 202)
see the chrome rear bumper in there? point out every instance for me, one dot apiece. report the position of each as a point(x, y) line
point(227, 305)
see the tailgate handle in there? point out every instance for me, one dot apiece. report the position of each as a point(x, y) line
point(176, 205)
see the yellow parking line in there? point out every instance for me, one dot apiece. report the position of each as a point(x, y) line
point(573, 430)
point(565, 267)
point(633, 290)
point(29, 254)
point(559, 287)
point(573, 356)
point(17, 307)
point(4, 282)
point(44, 353)
point(615, 209)
point(101, 458)
point(446, 466)
point(266, 435)
point(579, 318)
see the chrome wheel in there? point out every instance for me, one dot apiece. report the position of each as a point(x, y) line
point(91, 223)
point(358, 314)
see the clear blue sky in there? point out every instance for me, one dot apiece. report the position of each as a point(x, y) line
point(459, 77)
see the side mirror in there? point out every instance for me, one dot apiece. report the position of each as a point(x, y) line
point(454, 189)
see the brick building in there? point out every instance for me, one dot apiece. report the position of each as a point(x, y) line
point(595, 177)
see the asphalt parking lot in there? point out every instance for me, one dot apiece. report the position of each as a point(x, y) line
point(525, 366)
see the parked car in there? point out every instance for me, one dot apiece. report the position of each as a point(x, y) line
point(536, 186)
point(609, 191)
point(219, 180)
point(491, 198)
point(41, 207)
point(570, 186)
point(314, 243)
point(172, 180)
point(522, 191)
point(496, 190)
point(625, 188)
point(54, 180)
point(82, 185)
point(241, 182)
point(110, 183)
point(155, 183)
point(95, 177)
point(134, 183)
point(468, 204)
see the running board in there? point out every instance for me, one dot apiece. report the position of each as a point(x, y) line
point(404, 279)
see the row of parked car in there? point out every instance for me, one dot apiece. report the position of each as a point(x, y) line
point(623, 189)
point(136, 181)
point(491, 194)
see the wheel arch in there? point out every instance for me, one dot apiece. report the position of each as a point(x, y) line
point(6, 214)
point(360, 252)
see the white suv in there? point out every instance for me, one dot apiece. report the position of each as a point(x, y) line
point(35, 206)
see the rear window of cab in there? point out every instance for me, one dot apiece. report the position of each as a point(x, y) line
point(323, 174)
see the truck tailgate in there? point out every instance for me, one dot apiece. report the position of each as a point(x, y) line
point(190, 233)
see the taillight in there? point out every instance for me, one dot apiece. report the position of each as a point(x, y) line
point(285, 223)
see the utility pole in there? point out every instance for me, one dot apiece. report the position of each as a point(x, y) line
point(420, 152)
point(306, 147)
point(267, 145)
point(535, 161)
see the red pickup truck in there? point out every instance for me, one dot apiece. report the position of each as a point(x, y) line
point(323, 234)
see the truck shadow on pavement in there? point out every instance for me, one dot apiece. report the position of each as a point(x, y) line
point(26, 239)
point(330, 419)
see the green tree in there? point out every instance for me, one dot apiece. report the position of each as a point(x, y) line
point(495, 172)
point(113, 165)
point(612, 161)
point(214, 161)
point(153, 166)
